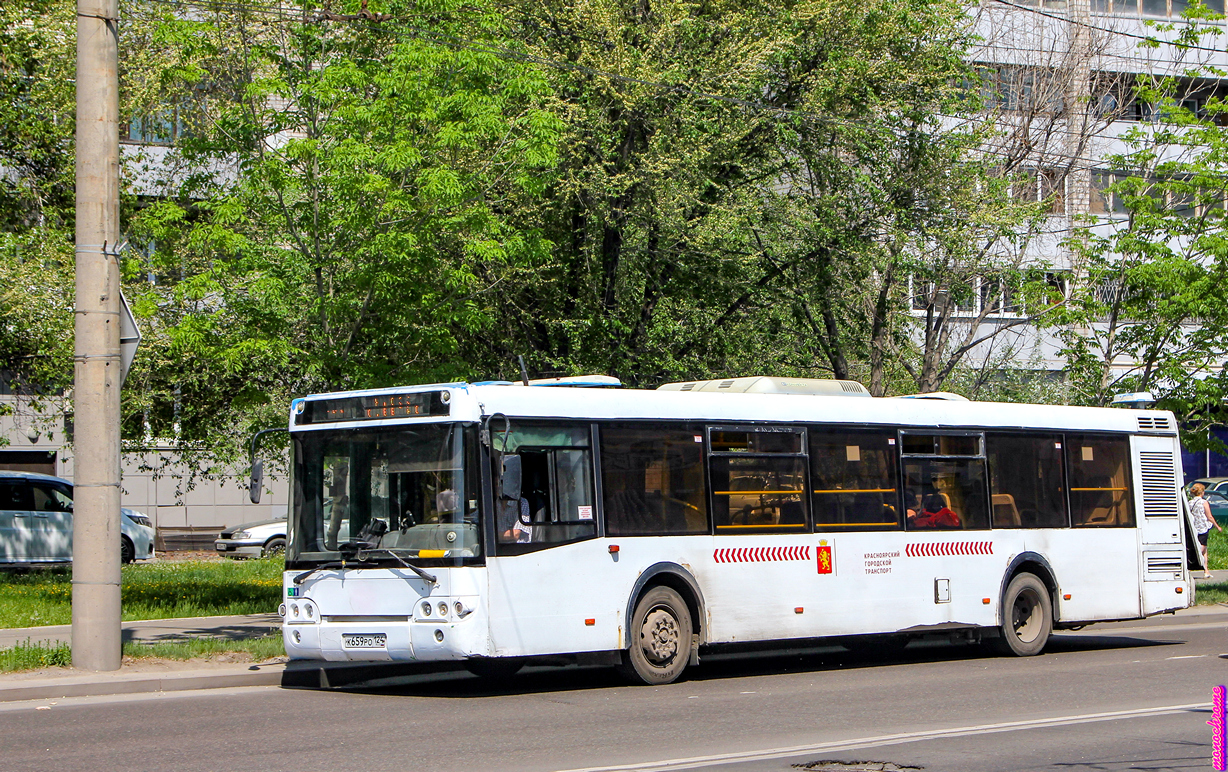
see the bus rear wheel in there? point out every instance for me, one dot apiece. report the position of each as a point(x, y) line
point(660, 638)
point(1027, 617)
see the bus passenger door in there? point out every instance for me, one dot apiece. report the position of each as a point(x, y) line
point(548, 592)
point(1157, 481)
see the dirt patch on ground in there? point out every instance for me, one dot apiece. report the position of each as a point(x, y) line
point(180, 556)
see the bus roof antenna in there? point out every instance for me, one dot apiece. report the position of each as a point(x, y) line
point(524, 372)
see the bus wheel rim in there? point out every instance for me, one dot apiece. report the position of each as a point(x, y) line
point(659, 636)
point(1025, 617)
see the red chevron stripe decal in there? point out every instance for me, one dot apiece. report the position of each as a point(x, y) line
point(943, 549)
point(760, 554)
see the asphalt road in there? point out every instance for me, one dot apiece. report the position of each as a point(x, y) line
point(1128, 696)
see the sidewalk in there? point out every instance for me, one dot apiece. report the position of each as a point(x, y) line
point(143, 677)
point(151, 630)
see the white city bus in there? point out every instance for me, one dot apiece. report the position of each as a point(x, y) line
point(493, 522)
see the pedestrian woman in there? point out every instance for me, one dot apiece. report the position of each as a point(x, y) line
point(1203, 522)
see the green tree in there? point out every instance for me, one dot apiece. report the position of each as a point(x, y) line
point(338, 187)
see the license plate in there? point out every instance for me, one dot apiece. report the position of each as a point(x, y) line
point(364, 640)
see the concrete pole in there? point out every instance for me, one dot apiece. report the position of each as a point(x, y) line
point(95, 570)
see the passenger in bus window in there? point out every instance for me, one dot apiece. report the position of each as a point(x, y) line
point(936, 514)
point(513, 526)
point(913, 501)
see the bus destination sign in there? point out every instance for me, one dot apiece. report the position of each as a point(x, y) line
point(374, 407)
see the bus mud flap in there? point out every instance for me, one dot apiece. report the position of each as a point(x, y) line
point(694, 650)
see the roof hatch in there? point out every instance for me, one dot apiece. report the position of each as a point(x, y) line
point(763, 384)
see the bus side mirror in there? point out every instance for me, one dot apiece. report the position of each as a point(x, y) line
point(256, 483)
point(510, 487)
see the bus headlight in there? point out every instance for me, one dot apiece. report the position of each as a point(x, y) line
point(426, 608)
point(443, 609)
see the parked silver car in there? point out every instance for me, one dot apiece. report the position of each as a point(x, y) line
point(36, 522)
point(253, 540)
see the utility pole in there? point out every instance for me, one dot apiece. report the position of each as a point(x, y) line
point(96, 503)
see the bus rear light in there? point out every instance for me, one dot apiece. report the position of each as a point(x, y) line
point(986, 601)
point(613, 549)
point(590, 622)
point(1066, 596)
point(798, 610)
point(1179, 590)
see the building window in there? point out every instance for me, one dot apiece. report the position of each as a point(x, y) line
point(1151, 8)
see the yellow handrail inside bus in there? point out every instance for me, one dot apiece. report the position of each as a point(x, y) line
point(766, 525)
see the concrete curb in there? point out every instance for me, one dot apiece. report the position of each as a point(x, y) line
point(98, 685)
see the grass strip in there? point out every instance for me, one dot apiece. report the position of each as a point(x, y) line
point(32, 656)
point(150, 591)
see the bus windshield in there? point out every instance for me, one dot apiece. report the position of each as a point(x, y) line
point(406, 489)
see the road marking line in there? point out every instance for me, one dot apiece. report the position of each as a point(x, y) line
point(665, 765)
point(1188, 656)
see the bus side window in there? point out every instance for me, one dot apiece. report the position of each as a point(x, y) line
point(652, 479)
point(853, 480)
point(944, 481)
point(556, 502)
point(1026, 480)
point(758, 480)
point(1099, 481)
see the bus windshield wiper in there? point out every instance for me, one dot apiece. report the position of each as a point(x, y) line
point(363, 553)
point(322, 567)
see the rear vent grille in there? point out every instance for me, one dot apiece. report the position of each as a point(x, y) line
point(1159, 484)
point(852, 387)
point(725, 384)
point(687, 387)
point(1164, 566)
point(1163, 563)
point(1154, 423)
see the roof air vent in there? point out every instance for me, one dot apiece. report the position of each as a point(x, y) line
point(766, 385)
point(1156, 423)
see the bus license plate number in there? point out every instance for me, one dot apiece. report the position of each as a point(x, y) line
point(364, 640)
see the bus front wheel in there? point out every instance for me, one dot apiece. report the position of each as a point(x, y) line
point(660, 638)
point(1027, 617)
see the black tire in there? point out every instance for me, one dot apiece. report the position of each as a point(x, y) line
point(127, 552)
point(660, 636)
point(274, 546)
point(1027, 617)
point(494, 668)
